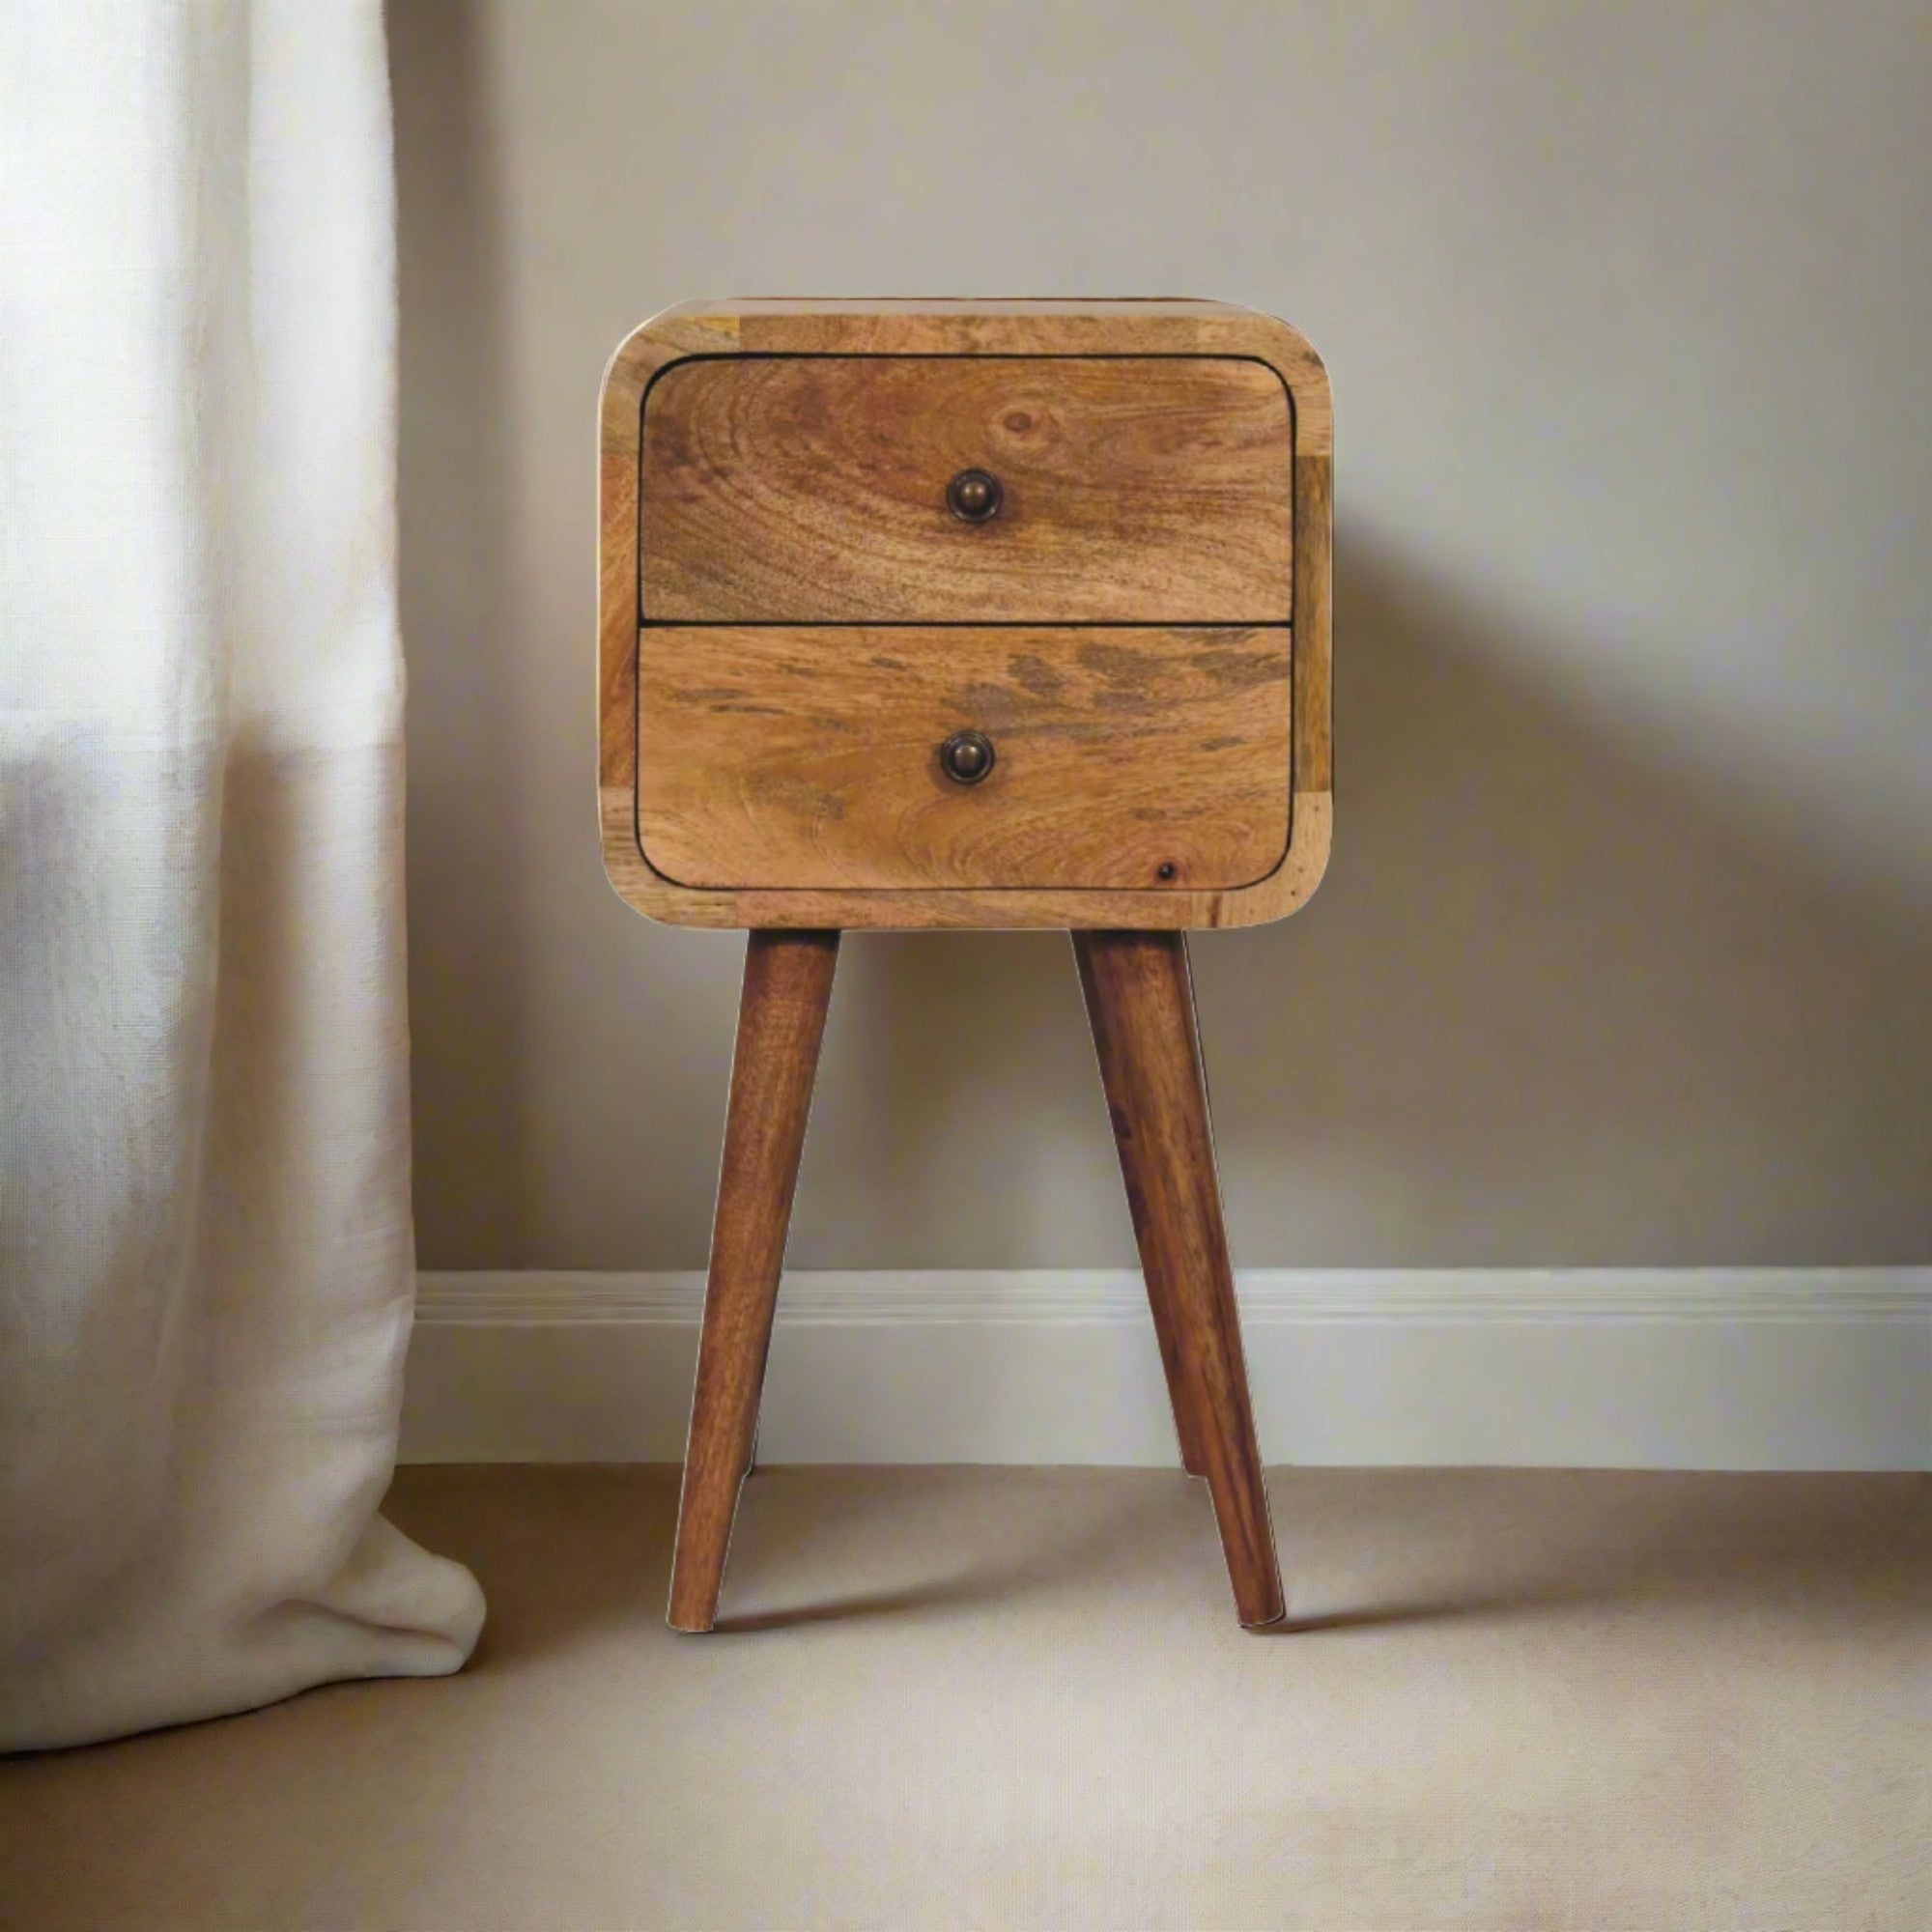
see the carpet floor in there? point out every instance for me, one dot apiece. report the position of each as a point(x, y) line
point(1014, 1698)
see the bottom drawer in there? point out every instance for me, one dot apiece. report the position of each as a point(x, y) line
point(1130, 757)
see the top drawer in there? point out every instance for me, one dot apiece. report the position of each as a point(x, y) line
point(814, 489)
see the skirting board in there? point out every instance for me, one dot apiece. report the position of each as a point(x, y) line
point(1658, 1369)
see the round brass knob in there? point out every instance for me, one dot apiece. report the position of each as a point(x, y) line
point(973, 495)
point(966, 758)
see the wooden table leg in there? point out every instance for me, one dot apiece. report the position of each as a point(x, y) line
point(1142, 1005)
point(780, 1023)
point(1154, 1266)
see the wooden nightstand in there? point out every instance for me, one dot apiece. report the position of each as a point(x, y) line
point(968, 614)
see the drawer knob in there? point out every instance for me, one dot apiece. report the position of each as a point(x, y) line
point(973, 495)
point(966, 758)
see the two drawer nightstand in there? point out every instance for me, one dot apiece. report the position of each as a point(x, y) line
point(951, 614)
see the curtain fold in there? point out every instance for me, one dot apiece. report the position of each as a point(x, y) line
point(206, 1256)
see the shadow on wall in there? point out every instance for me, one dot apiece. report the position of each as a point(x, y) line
point(1557, 1003)
point(456, 471)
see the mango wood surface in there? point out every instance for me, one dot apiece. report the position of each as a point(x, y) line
point(937, 908)
point(781, 1024)
point(1141, 1002)
point(1023, 328)
point(812, 490)
point(1138, 758)
point(1161, 1297)
point(1313, 609)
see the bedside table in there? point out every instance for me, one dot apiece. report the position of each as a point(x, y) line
point(968, 614)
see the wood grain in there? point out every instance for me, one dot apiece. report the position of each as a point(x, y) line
point(1030, 327)
point(853, 908)
point(1162, 1300)
point(812, 490)
point(1140, 758)
point(781, 1024)
point(1123, 326)
point(1313, 591)
point(663, 340)
point(1141, 1000)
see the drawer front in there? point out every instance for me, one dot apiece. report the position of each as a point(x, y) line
point(1144, 759)
point(814, 489)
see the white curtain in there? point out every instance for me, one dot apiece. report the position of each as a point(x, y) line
point(206, 1261)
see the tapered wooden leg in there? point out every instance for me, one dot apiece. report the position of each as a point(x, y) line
point(1142, 1005)
point(1160, 1291)
point(780, 1023)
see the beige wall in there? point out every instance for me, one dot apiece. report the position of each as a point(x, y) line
point(1622, 958)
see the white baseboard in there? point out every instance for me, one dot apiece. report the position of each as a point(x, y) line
point(1665, 1369)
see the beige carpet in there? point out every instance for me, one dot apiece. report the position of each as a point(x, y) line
point(1018, 1698)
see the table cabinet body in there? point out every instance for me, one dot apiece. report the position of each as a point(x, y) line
point(968, 614)
point(796, 618)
